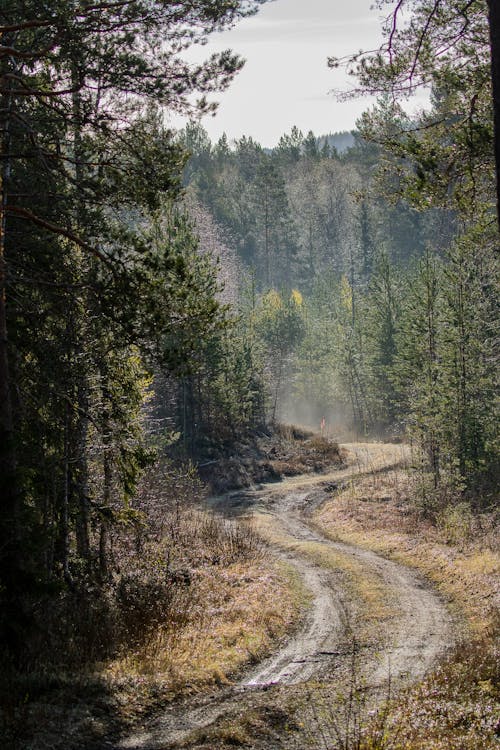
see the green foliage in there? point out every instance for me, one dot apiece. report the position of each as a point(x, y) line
point(300, 209)
point(441, 370)
point(417, 371)
point(222, 399)
point(381, 318)
point(278, 320)
point(443, 156)
point(279, 323)
point(100, 273)
point(386, 319)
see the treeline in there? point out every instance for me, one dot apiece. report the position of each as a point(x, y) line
point(304, 208)
point(374, 268)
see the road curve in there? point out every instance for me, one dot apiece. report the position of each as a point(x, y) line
point(417, 632)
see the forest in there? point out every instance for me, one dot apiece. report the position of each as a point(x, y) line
point(168, 304)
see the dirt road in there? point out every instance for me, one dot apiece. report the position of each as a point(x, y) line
point(359, 601)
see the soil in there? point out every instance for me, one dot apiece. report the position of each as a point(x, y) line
point(336, 644)
point(267, 457)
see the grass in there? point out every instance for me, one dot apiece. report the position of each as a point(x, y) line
point(247, 608)
point(347, 722)
point(242, 611)
point(457, 705)
point(454, 707)
point(205, 601)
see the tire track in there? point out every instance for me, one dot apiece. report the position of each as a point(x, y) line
point(418, 633)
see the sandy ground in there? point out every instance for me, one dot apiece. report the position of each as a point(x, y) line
point(397, 645)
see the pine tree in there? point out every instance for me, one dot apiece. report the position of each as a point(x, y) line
point(274, 225)
point(381, 319)
point(417, 370)
point(85, 160)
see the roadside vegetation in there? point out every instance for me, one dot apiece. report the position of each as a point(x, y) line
point(275, 452)
point(194, 598)
point(379, 507)
point(457, 705)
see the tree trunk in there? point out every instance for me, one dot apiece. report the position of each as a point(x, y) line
point(7, 454)
point(11, 558)
point(81, 336)
point(81, 479)
point(494, 22)
point(65, 530)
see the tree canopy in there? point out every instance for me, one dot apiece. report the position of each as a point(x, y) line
point(99, 273)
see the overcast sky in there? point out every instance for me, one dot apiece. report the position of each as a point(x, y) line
point(286, 80)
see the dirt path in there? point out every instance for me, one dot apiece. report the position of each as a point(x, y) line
point(417, 632)
point(398, 622)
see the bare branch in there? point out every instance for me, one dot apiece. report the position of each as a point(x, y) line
point(393, 31)
point(26, 25)
point(422, 38)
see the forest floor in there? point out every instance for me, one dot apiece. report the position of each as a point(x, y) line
point(396, 646)
point(285, 450)
point(325, 610)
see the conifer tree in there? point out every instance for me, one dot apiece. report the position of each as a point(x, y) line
point(85, 161)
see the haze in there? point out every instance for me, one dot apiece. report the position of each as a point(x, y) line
point(286, 80)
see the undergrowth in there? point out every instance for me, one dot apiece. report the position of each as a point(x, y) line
point(190, 599)
point(457, 705)
point(300, 451)
point(454, 708)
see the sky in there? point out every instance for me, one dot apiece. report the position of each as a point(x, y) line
point(285, 80)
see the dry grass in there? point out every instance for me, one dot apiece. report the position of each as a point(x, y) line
point(457, 706)
point(198, 602)
point(454, 708)
point(242, 610)
point(378, 512)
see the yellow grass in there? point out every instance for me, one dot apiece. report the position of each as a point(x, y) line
point(374, 513)
point(246, 609)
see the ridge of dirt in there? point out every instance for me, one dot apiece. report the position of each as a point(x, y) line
point(401, 642)
point(268, 457)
